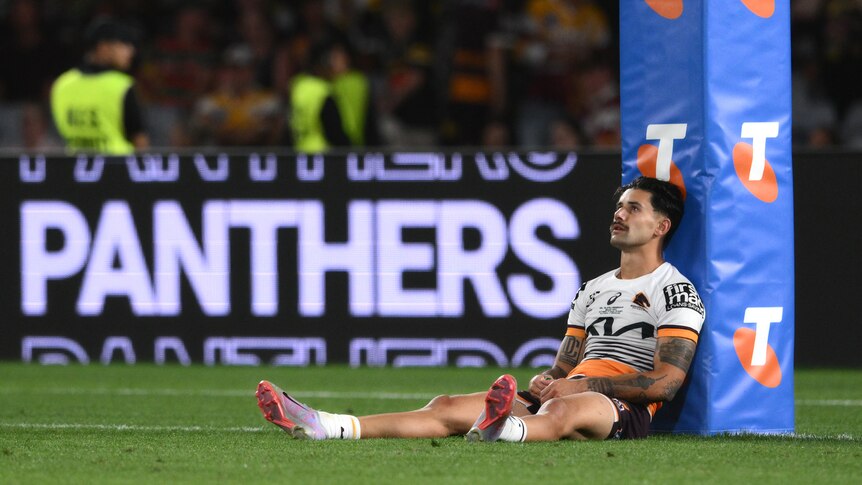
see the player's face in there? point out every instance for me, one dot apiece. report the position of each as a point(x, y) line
point(635, 222)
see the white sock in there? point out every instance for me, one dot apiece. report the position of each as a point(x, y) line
point(514, 430)
point(340, 426)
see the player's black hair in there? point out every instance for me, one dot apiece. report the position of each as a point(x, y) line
point(665, 197)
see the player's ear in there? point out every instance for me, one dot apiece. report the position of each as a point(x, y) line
point(663, 227)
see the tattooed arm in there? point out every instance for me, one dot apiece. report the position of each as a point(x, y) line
point(672, 359)
point(567, 358)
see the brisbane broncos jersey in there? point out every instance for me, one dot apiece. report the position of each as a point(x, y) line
point(621, 319)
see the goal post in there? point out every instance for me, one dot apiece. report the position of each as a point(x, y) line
point(705, 103)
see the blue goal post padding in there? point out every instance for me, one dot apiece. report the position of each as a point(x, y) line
point(705, 101)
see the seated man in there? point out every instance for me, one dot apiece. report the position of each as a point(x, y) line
point(631, 337)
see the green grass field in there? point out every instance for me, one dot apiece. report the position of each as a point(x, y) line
point(147, 424)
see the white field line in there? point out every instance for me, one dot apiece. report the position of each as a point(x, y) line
point(829, 402)
point(310, 394)
point(221, 393)
point(133, 427)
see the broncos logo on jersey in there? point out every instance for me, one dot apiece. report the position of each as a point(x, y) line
point(641, 300)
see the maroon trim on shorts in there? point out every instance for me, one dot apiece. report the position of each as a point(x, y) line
point(633, 423)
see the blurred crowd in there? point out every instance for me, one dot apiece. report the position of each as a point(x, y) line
point(493, 73)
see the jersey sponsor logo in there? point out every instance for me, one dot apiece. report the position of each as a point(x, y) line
point(682, 295)
point(609, 308)
point(641, 301)
point(604, 326)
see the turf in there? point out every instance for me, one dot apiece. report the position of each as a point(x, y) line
point(147, 424)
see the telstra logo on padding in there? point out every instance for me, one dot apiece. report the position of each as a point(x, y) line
point(669, 9)
point(761, 8)
point(657, 161)
point(749, 160)
point(757, 357)
point(672, 9)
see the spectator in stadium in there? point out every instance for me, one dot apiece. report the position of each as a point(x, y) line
point(30, 54)
point(36, 133)
point(95, 106)
point(408, 105)
point(176, 70)
point(474, 56)
point(561, 39)
point(496, 133)
point(595, 105)
point(237, 112)
point(256, 30)
point(566, 134)
point(630, 340)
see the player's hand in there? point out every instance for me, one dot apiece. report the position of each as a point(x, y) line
point(562, 387)
point(539, 383)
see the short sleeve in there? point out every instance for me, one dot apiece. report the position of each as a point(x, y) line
point(682, 313)
point(576, 326)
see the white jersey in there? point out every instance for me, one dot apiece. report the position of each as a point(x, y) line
point(621, 319)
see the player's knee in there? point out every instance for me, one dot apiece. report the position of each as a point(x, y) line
point(441, 403)
point(560, 414)
point(443, 411)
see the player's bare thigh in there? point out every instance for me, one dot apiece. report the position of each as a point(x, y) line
point(584, 416)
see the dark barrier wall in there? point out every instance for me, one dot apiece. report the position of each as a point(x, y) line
point(463, 259)
point(402, 259)
point(827, 204)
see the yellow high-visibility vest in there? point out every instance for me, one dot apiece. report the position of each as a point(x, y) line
point(88, 111)
point(307, 95)
point(350, 91)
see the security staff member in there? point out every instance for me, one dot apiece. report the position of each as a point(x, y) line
point(315, 120)
point(352, 92)
point(94, 106)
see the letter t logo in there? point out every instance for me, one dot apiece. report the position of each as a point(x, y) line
point(762, 317)
point(665, 134)
point(758, 132)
